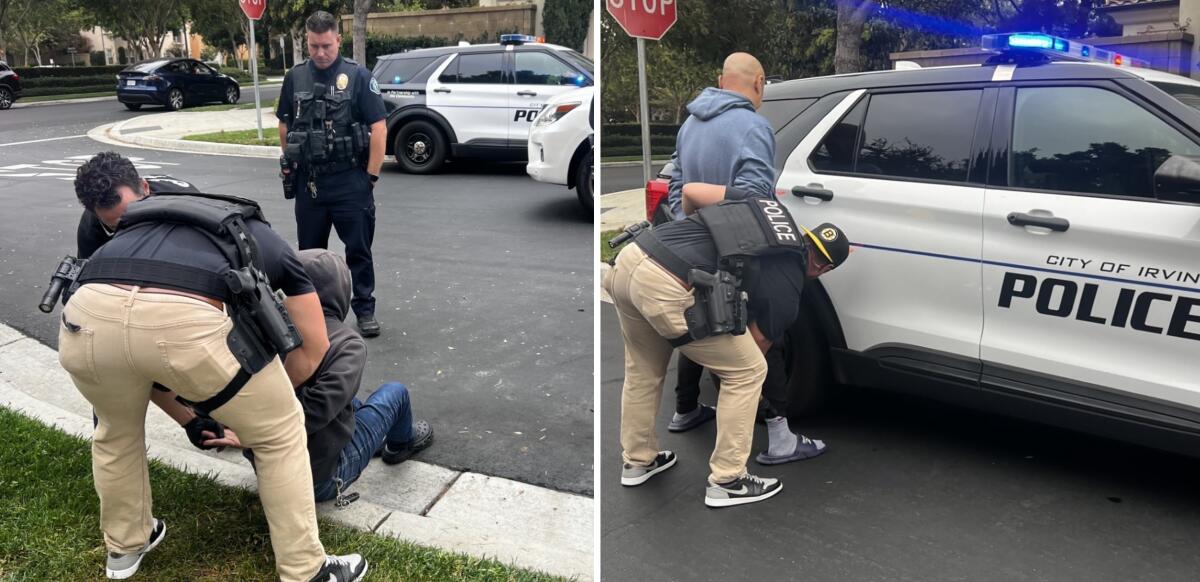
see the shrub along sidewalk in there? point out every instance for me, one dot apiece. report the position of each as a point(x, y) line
point(49, 524)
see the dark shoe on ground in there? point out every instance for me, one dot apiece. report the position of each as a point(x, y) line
point(702, 414)
point(632, 475)
point(422, 435)
point(368, 326)
point(806, 448)
point(348, 568)
point(740, 491)
point(122, 566)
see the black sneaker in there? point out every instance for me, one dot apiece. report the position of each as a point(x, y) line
point(740, 491)
point(368, 326)
point(632, 475)
point(122, 566)
point(422, 435)
point(348, 568)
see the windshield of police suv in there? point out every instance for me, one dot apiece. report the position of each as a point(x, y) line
point(398, 71)
point(578, 60)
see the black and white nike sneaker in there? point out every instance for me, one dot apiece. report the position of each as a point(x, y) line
point(637, 474)
point(122, 566)
point(745, 489)
point(348, 568)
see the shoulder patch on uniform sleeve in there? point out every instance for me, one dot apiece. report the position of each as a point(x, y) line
point(374, 86)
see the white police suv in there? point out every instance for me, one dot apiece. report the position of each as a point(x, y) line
point(472, 100)
point(560, 144)
point(1027, 236)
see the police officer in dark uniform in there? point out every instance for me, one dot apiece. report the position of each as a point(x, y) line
point(333, 132)
point(196, 292)
point(692, 284)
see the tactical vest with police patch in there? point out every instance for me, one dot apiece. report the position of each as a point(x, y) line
point(745, 229)
point(324, 137)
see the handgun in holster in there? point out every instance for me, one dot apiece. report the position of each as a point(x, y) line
point(720, 305)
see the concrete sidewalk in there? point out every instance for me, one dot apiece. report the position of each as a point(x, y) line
point(165, 131)
point(621, 209)
point(469, 513)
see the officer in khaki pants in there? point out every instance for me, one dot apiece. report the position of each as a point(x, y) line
point(149, 311)
point(655, 284)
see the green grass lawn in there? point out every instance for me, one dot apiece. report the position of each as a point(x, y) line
point(244, 137)
point(70, 96)
point(49, 524)
point(607, 254)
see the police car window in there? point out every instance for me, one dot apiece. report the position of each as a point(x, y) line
point(923, 135)
point(836, 151)
point(1108, 146)
point(779, 113)
point(397, 71)
point(1186, 94)
point(535, 68)
point(475, 68)
point(578, 60)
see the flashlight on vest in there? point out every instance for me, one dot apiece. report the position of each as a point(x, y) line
point(64, 276)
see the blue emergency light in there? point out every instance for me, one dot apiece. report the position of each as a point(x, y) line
point(516, 38)
point(1053, 47)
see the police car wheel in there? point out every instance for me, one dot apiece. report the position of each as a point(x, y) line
point(174, 100)
point(6, 98)
point(232, 95)
point(133, 106)
point(810, 375)
point(584, 181)
point(420, 148)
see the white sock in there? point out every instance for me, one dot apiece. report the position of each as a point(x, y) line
point(689, 416)
point(781, 441)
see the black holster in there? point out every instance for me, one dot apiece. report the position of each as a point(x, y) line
point(721, 307)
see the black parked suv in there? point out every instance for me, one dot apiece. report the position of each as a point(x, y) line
point(174, 83)
point(10, 86)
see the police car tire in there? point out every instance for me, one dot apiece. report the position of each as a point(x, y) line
point(133, 106)
point(437, 142)
point(584, 181)
point(810, 375)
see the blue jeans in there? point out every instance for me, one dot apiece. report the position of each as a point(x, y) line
point(386, 417)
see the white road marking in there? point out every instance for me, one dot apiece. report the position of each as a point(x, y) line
point(41, 140)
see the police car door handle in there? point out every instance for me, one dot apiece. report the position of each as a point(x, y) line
point(814, 190)
point(441, 90)
point(527, 93)
point(1050, 222)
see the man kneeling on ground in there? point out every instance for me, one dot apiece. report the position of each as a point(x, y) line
point(344, 433)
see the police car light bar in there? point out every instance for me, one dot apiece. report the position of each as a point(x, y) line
point(1055, 48)
point(517, 38)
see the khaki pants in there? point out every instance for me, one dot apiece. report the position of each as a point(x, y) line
point(126, 340)
point(650, 305)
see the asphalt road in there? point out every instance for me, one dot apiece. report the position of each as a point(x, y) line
point(44, 121)
point(484, 287)
point(622, 178)
point(910, 490)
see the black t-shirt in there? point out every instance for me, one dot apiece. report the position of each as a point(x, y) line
point(184, 245)
point(92, 234)
point(774, 287)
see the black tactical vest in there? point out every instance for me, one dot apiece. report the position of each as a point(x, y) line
point(323, 136)
point(744, 229)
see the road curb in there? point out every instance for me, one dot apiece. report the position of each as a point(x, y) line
point(19, 105)
point(112, 134)
point(469, 513)
point(631, 164)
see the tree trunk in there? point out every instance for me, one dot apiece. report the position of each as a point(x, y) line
point(297, 42)
point(361, 9)
point(851, 17)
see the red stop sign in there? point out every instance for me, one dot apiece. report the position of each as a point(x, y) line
point(253, 8)
point(643, 18)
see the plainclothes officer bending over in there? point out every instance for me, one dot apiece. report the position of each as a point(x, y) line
point(185, 294)
point(333, 132)
point(682, 285)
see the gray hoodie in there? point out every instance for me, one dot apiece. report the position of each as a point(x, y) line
point(724, 141)
point(326, 397)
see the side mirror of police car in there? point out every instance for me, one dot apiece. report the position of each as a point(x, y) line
point(1178, 179)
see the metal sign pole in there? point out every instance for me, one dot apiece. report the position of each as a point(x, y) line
point(254, 73)
point(645, 109)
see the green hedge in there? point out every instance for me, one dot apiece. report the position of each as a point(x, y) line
point(243, 77)
point(68, 82)
point(566, 22)
point(32, 73)
point(40, 91)
point(656, 151)
point(635, 129)
point(379, 45)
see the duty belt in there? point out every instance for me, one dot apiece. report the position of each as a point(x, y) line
point(672, 262)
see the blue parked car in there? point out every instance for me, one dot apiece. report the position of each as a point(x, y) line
point(174, 83)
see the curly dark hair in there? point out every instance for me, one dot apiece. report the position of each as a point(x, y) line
point(96, 181)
